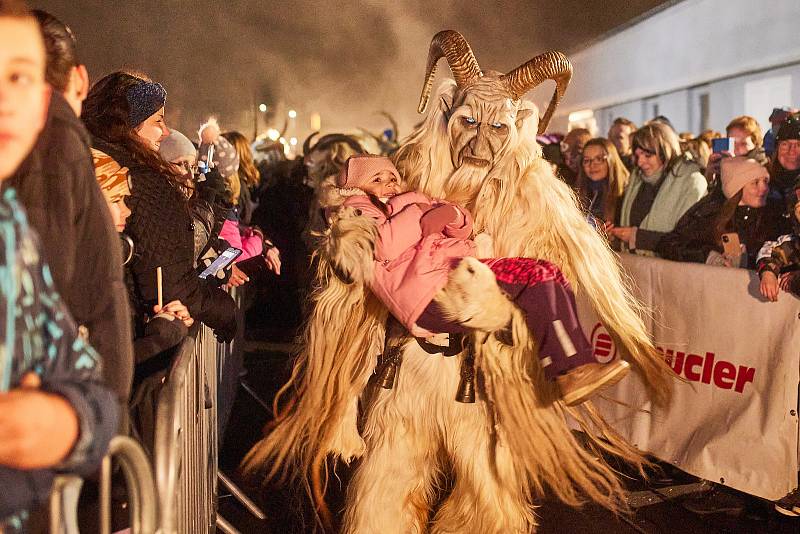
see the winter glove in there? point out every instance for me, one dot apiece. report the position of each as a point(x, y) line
point(435, 220)
point(213, 186)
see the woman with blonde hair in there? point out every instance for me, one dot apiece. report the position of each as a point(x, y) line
point(662, 187)
point(602, 179)
point(249, 176)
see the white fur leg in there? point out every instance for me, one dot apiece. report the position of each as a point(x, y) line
point(346, 443)
point(487, 497)
point(390, 491)
point(473, 298)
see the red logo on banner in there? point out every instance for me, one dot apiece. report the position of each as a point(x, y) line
point(603, 347)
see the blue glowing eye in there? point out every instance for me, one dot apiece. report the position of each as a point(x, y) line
point(470, 120)
point(497, 125)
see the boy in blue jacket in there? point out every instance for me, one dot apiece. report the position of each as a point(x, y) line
point(56, 415)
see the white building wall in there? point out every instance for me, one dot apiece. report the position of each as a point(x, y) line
point(673, 56)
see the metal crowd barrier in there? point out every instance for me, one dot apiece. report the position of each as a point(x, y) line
point(183, 498)
point(135, 466)
point(186, 438)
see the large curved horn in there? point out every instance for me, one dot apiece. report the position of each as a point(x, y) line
point(307, 143)
point(451, 45)
point(548, 66)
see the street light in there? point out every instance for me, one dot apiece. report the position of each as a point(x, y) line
point(262, 108)
point(292, 114)
point(273, 134)
point(293, 141)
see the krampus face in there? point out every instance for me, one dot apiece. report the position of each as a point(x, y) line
point(479, 131)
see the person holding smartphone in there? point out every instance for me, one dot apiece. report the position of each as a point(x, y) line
point(728, 227)
point(744, 136)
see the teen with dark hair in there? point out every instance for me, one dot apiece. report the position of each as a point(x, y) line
point(65, 73)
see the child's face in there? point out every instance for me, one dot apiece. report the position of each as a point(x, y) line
point(383, 185)
point(23, 92)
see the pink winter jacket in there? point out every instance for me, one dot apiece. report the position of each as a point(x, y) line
point(409, 267)
point(250, 244)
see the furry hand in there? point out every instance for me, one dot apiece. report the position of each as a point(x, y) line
point(435, 220)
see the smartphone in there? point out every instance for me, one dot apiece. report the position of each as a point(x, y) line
point(221, 262)
point(731, 245)
point(723, 144)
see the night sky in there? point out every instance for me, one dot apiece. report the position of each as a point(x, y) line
point(344, 60)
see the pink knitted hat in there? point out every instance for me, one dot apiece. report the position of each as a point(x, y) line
point(359, 170)
point(738, 172)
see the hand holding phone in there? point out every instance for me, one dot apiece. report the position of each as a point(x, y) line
point(723, 144)
point(221, 262)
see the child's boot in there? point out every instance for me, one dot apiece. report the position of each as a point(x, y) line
point(580, 383)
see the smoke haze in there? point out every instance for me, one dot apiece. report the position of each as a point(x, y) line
point(344, 60)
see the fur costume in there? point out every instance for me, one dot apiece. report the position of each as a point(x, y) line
point(498, 455)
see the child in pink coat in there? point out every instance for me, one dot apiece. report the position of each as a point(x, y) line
point(421, 240)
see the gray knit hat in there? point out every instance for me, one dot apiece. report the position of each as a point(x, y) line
point(175, 146)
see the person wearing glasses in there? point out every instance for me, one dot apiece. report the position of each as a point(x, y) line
point(662, 187)
point(785, 166)
point(601, 180)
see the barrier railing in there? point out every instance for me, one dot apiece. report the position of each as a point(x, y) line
point(135, 467)
point(186, 438)
point(183, 498)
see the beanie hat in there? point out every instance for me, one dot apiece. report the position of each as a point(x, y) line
point(738, 172)
point(144, 99)
point(225, 158)
point(176, 146)
point(790, 129)
point(111, 177)
point(359, 170)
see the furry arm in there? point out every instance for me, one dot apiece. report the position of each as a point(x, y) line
point(397, 233)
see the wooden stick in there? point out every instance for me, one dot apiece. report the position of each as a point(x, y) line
point(160, 288)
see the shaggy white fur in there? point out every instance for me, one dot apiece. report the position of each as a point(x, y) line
point(484, 463)
point(473, 298)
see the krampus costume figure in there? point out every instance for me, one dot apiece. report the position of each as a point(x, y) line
point(411, 437)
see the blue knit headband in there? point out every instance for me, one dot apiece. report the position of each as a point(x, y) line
point(144, 99)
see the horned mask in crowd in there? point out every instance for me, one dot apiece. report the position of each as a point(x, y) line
point(492, 85)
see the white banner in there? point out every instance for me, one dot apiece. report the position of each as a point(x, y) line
point(734, 420)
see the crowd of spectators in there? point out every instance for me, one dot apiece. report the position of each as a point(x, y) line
point(654, 192)
point(108, 217)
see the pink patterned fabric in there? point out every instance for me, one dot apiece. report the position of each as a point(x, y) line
point(525, 271)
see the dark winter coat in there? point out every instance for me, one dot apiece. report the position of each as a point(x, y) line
point(57, 186)
point(694, 236)
point(42, 338)
point(162, 231)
